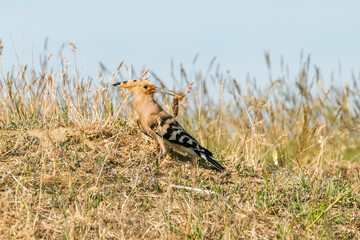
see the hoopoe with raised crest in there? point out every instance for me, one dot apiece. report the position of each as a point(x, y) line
point(158, 124)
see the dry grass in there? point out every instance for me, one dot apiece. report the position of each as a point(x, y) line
point(74, 165)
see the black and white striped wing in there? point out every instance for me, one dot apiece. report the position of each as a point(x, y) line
point(170, 129)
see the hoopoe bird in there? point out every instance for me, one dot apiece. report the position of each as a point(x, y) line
point(155, 122)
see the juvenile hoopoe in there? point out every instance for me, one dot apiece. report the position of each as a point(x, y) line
point(158, 124)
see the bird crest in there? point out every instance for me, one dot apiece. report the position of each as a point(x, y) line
point(132, 83)
point(137, 82)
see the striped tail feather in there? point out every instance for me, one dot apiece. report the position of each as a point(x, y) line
point(211, 161)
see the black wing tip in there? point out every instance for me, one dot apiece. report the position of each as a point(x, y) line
point(116, 84)
point(214, 163)
point(208, 152)
point(218, 167)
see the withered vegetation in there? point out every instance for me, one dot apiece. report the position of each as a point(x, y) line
point(74, 165)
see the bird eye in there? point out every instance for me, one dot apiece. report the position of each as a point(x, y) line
point(145, 86)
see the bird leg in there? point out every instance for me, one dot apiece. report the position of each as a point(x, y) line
point(161, 155)
point(164, 149)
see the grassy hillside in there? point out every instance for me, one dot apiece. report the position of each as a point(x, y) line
point(74, 165)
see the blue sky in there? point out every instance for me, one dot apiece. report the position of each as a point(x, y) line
point(149, 33)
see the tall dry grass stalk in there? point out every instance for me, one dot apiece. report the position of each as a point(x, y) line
point(298, 120)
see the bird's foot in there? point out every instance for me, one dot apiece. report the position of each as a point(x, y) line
point(161, 155)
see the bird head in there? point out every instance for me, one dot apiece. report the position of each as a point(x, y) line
point(140, 87)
